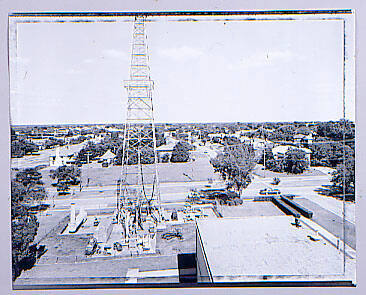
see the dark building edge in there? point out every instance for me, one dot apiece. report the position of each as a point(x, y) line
point(188, 285)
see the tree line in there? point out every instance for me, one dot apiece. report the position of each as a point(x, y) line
point(92, 151)
point(293, 161)
point(26, 192)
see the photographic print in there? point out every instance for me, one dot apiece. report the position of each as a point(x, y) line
point(182, 149)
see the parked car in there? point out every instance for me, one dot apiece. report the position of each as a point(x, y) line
point(117, 246)
point(174, 215)
point(269, 191)
point(276, 181)
point(96, 222)
point(91, 246)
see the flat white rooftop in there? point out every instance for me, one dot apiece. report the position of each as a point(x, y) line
point(266, 247)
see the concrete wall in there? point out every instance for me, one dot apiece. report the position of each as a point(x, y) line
point(203, 272)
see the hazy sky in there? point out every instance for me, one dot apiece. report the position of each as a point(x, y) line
point(204, 71)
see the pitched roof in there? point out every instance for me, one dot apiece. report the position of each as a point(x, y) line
point(107, 155)
point(166, 147)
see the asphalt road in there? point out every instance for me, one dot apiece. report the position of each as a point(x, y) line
point(303, 186)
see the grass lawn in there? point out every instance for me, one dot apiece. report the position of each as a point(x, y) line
point(198, 170)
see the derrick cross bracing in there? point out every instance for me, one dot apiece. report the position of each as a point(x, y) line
point(138, 193)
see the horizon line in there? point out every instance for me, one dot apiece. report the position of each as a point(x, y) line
point(159, 123)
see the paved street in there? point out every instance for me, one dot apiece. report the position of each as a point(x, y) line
point(304, 186)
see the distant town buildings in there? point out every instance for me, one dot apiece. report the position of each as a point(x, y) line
point(166, 149)
point(58, 160)
point(302, 138)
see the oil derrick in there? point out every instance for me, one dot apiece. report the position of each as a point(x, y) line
point(138, 194)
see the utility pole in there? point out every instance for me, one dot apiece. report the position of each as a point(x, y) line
point(87, 168)
point(264, 160)
point(264, 153)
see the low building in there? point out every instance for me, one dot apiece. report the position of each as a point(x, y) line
point(108, 157)
point(219, 135)
point(61, 160)
point(97, 138)
point(166, 149)
point(302, 138)
point(264, 249)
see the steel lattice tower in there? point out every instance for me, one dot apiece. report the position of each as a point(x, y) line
point(138, 193)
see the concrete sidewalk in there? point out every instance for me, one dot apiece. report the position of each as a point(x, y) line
point(330, 221)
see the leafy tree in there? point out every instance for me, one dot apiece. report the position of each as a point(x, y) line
point(53, 142)
point(345, 174)
point(235, 165)
point(24, 227)
point(165, 158)
point(35, 193)
point(119, 155)
point(29, 176)
point(329, 154)
point(77, 140)
point(63, 188)
point(216, 139)
point(91, 151)
point(260, 133)
point(18, 192)
point(231, 140)
point(272, 164)
point(180, 152)
point(21, 147)
point(67, 174)
point(23, 230)
point(283, 133)
point(335, 130)
point(160, 139)
point(147, 156)
point(295, 161)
